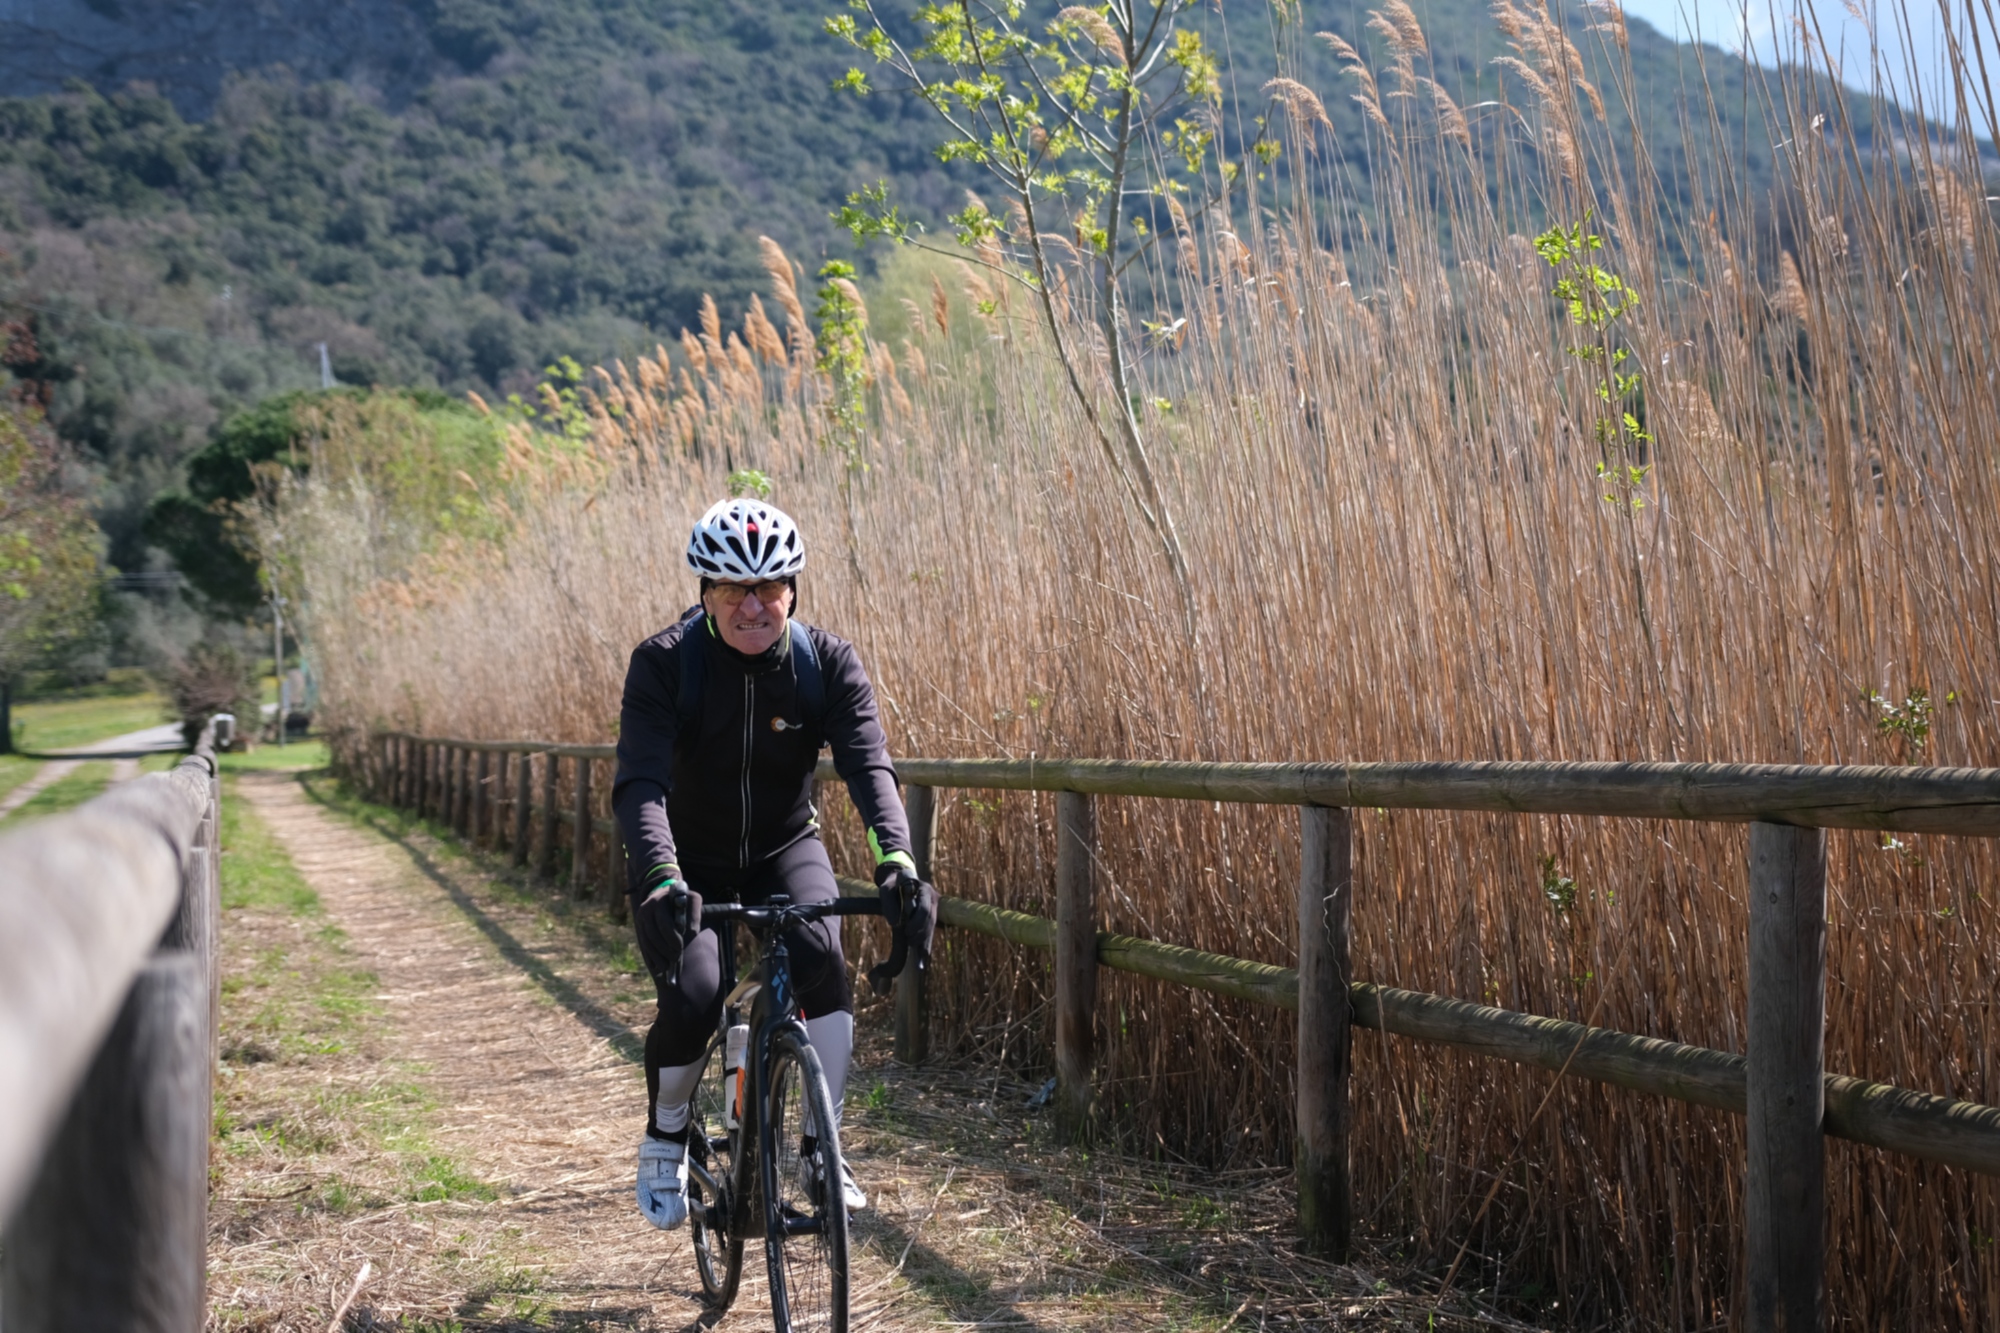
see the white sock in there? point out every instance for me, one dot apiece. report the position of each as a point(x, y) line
point(832, 1036)
point(677, 1085)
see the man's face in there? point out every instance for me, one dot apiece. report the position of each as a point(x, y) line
point(751, 616)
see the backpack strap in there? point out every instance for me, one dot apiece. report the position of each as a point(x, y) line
point(694, 669)
point(694, 673)
point(812, 681)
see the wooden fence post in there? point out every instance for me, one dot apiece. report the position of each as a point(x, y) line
point(114, 1231)
point(1321, 1162)
point(545, 864)
point(1076, 956)
point(215, 933)
point(912, 1005)
point(579, 848)
point(614, 868)
point(461, 812)
point(454, 787)
point(523, 765)
point(195, 927)
point(478, 821)
point(1785, 1190)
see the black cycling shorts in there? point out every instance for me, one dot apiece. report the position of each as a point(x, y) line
point(691, 993)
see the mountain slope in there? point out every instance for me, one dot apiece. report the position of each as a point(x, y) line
point(536, 179)
point(454, 192)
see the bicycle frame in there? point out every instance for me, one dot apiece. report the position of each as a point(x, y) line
point(773, 1008)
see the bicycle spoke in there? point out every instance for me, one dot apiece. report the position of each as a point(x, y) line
point(807, 1247)
point(718, 1248)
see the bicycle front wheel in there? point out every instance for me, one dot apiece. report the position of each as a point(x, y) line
point(718, 1240)
point(805, 1239)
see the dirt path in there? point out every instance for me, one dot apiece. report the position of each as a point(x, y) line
point(53, 771)
point(533, 1095)
point(515, 1021)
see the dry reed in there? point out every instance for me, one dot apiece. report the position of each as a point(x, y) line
point(1385, 469)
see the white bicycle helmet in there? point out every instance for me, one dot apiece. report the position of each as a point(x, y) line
point(746, 539)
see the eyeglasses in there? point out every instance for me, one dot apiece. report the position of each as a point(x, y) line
point(769, 592)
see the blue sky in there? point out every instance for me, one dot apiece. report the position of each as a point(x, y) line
point(1910, 37)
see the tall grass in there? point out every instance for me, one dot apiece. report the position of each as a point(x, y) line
point(1387, 473)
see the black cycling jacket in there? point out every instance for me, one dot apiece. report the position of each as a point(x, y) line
point(739, 788)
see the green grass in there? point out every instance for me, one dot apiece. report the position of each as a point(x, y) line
point(58, 724)
point(309, 1002)
point(65, 793)
point(436, 1177)
point(41, 686)
point(255, 870)
point(16, 769)
point(295, 757)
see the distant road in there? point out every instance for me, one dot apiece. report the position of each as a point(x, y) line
point(163, 739)
point(124, 750)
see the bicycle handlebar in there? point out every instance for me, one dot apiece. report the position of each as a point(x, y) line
point(790, 913)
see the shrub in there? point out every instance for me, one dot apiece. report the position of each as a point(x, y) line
point(211, 677)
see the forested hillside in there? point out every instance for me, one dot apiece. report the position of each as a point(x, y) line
point(453, 195)
point(569, 178)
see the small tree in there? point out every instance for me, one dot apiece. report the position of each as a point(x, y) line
point(49, 587)
point(843, 359)
point(1073, 114)
point(213, 677)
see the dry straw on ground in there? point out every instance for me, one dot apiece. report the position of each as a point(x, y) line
point(1386, 470)
point(432, 1091)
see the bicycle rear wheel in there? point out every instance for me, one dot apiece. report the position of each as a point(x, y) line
point(805, 1239)
point(718, 1243)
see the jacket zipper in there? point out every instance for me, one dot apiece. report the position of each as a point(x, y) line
point(749, 733)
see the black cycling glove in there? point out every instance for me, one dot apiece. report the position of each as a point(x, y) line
point(909, 905)
point(669, 917)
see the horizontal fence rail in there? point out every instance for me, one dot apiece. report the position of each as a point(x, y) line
point(1919, 1124)
point(1779, 1085)
point(1909, 800)
point(108, 995)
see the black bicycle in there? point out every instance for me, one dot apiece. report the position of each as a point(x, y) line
point(763, 1144)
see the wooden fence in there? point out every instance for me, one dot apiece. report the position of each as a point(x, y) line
point(108, 994)
point(1780, 1084)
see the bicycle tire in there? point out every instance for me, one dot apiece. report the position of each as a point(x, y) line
point(805, 1238)
point(718, 1244)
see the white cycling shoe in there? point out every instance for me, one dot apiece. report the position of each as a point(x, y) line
point(663, 1174)
point(850, 1189)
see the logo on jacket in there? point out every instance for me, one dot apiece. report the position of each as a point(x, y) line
point(779, 724)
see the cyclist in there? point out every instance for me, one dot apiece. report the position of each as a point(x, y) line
point(723, 719)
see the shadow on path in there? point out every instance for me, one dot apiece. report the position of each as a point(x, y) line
point(630, 1046)
point(963, 1297)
